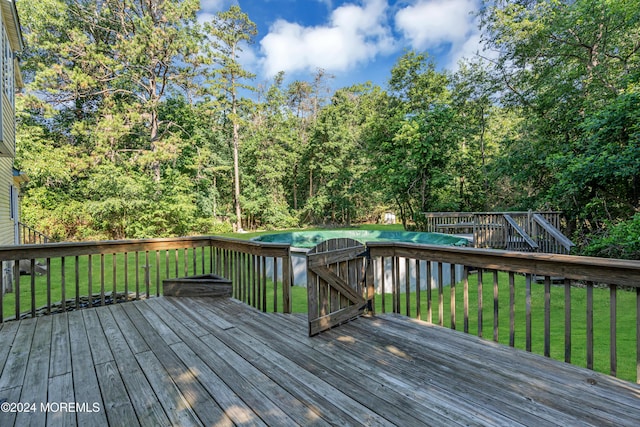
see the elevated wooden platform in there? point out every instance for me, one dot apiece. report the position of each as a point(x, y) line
point(197, 361)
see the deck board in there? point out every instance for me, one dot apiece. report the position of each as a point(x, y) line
point(200, 361)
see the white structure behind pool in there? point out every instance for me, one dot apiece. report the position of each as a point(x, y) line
point(299, 257)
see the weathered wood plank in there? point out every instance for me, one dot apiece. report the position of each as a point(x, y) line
point(33, 389)
point(143, 399)
point(205, 408)
point(331, 404)
point(135, 341)
point(118, 407)
point(60, 351)
point(167, 311)
point(559, 385)
point(336, 318)
point(359, 382)
point(272, 403)
point(100, 351)
point(168, 336)
point(11, 395)
point(85, 380)
point(61, 391)
point(16, 364)
point(173, 402)
point(233, 406)
point(377, 373)
point(7, 335)
point(383, 370)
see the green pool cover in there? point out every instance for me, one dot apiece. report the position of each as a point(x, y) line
point(309, 239)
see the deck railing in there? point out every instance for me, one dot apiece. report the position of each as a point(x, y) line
point(29, 236)
point(42, 279)
point(523, 231)
point(525, 300)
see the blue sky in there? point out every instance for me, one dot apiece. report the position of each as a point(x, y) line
point(354, 40)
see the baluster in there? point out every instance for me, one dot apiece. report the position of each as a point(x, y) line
point(429, 293)
point(590, 325)
point(465, 298)
point(90, 282)
point(102, 302)
point(567, 320)
point(547, 316)
point(452, 302)
point(16, 277)
point(512, 310)
point(286, 284)
point(382, 283)
point(137, 267)
point(407, 286)
point(440, 296)
point(480, 302)
point(63, 290)
point(496, 306)
point(264, 283)
point(126, 276)
point(33, 289)
point(157, 273)
point(528, 312)
point(147, 274)
point(418, 285)
point(176, 259)
point(275, 284)
point(48, 263)
point(114, 264)
point(613, 315)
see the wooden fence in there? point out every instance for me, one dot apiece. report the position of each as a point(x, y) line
point(520, 231)
point(63, 276)
point(502, 283)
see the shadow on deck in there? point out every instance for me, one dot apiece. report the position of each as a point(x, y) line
point(198, 361)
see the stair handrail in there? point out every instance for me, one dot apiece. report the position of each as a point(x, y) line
point(514, 225)
point(554, 232)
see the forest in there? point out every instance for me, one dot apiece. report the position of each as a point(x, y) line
point(139, 121)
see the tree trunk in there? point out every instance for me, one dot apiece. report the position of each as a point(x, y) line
point(236, 177)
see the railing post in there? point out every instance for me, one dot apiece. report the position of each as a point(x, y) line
point(286, 282)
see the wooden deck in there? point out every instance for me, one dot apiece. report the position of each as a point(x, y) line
point(186, 361)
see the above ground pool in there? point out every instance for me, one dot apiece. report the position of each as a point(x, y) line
point(302, 241)
point(309, 239)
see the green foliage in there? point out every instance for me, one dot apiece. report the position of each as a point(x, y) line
point(621, 240)
point(136, 123)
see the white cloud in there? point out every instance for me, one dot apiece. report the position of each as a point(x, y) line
point(430, 24)
point(354, 35)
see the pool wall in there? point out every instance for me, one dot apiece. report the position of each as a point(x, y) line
point(299, 267)
point(301, 242)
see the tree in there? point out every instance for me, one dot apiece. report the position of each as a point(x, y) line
point(415, 138)
point(229, 30)
point(102, 72)
point(569, 67)
point(337, 157)
point(270, 151)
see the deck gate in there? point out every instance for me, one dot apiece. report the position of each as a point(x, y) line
point(339, 283)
